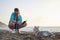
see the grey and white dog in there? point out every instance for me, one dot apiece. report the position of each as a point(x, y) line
point(42, 33)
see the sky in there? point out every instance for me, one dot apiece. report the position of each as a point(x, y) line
point(36, 12)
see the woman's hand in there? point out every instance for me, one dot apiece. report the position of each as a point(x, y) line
point(13, 21)
point(25, 24)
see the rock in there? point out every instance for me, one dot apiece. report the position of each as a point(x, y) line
point(2, 24)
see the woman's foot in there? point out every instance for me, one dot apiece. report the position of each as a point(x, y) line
point(13, 31)
point(17, 31)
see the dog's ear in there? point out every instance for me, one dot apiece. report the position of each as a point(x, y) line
point(36, 26)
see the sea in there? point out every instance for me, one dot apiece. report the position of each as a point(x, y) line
point(30, 28)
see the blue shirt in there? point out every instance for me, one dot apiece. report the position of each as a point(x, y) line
point(13, 17)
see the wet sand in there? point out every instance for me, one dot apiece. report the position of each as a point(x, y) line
point(7, 35)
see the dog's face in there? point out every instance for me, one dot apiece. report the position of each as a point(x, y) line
point(36, 28)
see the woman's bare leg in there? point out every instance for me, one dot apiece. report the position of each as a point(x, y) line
point(21, 26)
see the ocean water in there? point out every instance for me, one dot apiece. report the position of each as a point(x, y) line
point(30, 28)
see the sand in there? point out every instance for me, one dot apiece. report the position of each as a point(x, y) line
point(7, 35)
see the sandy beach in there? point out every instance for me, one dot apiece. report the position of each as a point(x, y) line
point(7, 35)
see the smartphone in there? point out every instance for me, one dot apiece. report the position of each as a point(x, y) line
point(24, 22)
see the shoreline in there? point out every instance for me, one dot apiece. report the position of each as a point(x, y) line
point(30, 29)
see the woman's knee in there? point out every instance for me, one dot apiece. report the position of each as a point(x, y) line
point(11, 25)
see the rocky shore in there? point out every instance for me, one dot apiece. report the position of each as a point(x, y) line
point(7, 35)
